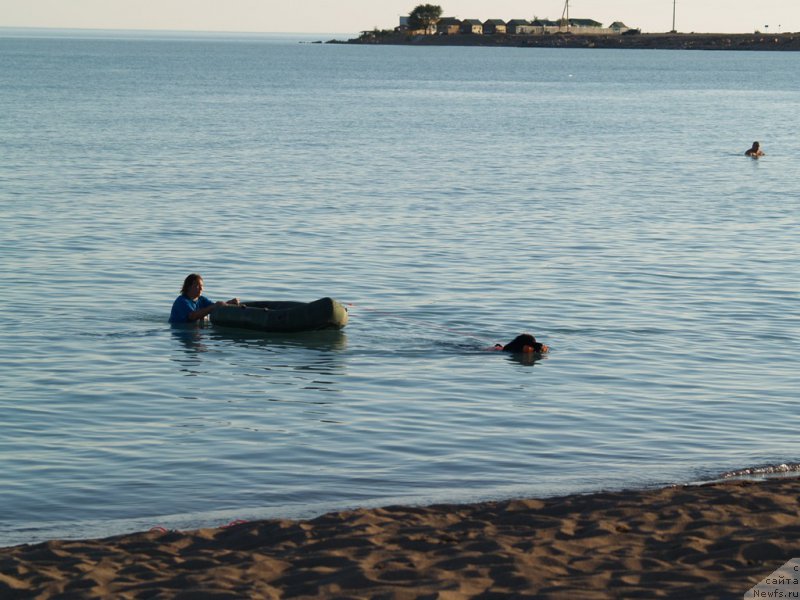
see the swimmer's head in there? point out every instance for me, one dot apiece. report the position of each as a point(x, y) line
point(524, 343)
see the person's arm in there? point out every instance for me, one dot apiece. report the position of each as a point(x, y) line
point(203, 312)
point(209, 308)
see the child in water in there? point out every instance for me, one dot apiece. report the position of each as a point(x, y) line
point(524, 343)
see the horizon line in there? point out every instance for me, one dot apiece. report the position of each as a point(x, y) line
point(160, 30)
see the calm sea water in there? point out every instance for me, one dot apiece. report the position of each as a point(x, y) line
point(453, 197)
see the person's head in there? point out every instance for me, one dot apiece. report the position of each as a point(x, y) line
point(524, 342)
point(192, 286)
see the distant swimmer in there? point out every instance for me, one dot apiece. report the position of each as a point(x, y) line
point(191, 306)
point(524, 343)
point(754, 151)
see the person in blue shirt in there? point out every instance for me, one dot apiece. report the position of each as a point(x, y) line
point(191, 305)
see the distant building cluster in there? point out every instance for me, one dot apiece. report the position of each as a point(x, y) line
point(453, 26)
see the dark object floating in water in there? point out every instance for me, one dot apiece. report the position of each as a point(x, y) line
point(282, 316)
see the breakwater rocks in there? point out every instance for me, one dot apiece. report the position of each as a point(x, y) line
point(655, 41)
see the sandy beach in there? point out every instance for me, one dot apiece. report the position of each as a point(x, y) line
point(710, 541)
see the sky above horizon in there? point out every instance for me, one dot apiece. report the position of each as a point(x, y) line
point(352, 16)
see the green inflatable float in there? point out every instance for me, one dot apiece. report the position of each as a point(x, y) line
point(282, 316)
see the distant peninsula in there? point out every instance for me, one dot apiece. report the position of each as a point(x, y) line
point(425, 26)
point(655, 41)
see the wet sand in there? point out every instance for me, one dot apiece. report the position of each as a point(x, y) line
point(711, 541)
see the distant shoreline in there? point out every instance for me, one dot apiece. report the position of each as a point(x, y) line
point(642, 41)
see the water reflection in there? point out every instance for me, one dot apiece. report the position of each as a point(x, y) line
point(526, 359)
point(190, 337)
point(322, 341)
point(314, 352)
point(311, 354)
